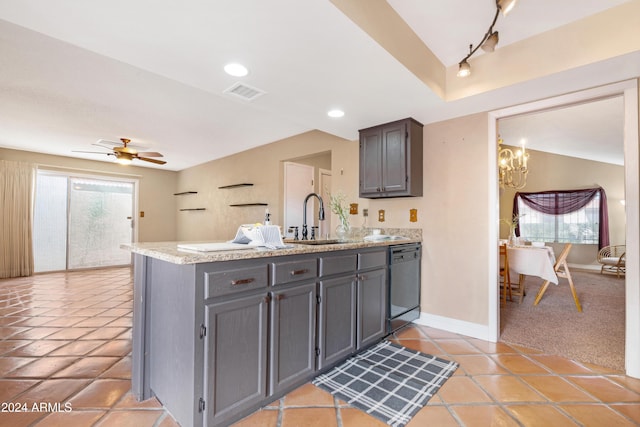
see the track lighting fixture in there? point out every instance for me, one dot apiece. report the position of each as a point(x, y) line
point(490, 38)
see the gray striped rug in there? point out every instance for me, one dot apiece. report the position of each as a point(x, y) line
point(388, 381)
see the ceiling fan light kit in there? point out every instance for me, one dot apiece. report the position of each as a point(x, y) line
point(123, 160)
point(490, 38)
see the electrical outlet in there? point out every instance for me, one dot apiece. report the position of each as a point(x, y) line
point(365, 212)
point(413, 215)
point(381, 215)
point(353, 209)
point(141, 214)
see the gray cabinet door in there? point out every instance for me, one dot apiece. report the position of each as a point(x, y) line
point(235, 356)
point(394, 158)
point(372, 303)
point(371, 161)
point(293, 336)
point(336, 319)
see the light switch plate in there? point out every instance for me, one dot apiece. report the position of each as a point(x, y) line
point(365, 212)
point(413, 215)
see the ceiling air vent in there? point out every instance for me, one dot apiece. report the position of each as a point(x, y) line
point(243, 91)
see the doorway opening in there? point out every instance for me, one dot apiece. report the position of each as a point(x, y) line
point(632, 209)
point(304, 175)
point(576, 154)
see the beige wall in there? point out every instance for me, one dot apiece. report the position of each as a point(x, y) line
point(554, 172)
point(455, 217)
point(155, 192)
point(263, 167)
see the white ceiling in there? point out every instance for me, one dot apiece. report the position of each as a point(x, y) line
point(76, 72)
point(592, 131)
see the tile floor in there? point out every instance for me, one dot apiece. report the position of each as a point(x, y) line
point(65, 343)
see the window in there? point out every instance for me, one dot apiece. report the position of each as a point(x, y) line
point(580, 226)
point(574, 216)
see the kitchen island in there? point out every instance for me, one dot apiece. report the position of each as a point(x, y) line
point(217, 335)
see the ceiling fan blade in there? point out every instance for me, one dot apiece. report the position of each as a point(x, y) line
point(150, 154)
point(160, 162)
point(104, 144)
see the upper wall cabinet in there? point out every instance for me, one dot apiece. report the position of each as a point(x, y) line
point(391, 160)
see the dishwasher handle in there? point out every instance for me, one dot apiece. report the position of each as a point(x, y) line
point(404, 256)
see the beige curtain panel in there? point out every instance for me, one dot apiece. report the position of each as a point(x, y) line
point(16, 218)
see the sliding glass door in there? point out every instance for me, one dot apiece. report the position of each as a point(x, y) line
point(81, 222)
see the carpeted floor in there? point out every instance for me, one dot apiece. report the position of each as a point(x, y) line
point(555, 326)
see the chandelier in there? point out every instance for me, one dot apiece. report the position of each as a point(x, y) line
point(512, 167)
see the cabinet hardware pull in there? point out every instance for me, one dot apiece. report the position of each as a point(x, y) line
point(280, 297)
point(298, 272)
point(363, 277)
point(242, 281)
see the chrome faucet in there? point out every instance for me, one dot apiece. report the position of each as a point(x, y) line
point(304, 213)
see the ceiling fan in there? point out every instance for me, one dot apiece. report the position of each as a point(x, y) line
point(125, 155)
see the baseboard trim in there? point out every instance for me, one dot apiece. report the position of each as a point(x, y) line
point(586, 267)
point(474, 330)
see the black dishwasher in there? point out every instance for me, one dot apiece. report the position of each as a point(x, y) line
point(404, 285)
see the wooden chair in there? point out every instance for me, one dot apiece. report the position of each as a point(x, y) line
point(562, 270)
point(613, 259)
point(505, 279)
point(517, 289)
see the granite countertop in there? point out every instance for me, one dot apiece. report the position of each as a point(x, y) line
point(168, 251)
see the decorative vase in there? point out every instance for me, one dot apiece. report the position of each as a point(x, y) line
point(513, 240)
point(342, 230)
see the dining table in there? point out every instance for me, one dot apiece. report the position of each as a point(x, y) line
point(532, 261)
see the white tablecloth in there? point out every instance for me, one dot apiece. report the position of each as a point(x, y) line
point(532, 261)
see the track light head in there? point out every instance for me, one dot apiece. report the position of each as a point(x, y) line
point(464, 69)
point(490, 44)
point(506, 6)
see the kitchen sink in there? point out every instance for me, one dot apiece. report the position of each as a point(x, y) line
point(314, 242)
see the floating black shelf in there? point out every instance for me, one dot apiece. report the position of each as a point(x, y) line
point(250, 204)
point(236, 185)
point(185, 192)
point(194, 209)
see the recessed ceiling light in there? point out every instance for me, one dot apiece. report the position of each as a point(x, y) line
point(236, 70)
point(335, 113)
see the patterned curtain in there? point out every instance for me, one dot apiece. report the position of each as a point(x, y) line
point(564, 202)
point(16, 218)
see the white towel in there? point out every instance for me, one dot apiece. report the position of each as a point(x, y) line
point(261, 235)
